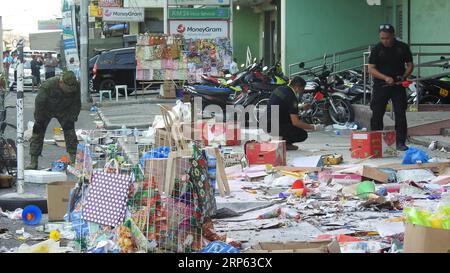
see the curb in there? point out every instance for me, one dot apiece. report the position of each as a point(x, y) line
point(131, 102)
point(111, 126)
point(424, 143)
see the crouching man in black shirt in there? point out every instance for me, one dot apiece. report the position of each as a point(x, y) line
point(285, 100)
point(390, 63)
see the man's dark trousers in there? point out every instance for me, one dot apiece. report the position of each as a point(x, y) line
point(380, 99)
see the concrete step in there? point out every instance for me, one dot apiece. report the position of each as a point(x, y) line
point(445, 132)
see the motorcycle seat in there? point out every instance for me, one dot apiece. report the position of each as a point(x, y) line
point(211, 91)
point(441, 84)
point(264, 86)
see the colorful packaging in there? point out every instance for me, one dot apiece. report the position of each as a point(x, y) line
point(273, 153)
point(377, 144)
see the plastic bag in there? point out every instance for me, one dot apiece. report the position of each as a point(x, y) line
point(182, 111)
point(415, 156)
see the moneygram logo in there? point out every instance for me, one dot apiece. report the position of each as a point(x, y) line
point(181, 28)
point(108, 13)
point(204, 29)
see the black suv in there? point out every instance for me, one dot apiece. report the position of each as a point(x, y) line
point(111, 68)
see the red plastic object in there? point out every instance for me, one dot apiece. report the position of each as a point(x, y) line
point(406, 84)
point(319, 96)
point(341, 238)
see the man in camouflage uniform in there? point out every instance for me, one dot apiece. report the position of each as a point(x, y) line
point(58, 97)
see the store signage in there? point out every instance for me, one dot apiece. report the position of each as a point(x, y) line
point(200, 29)
point(199, 2)
point(69, 38)
point(123, 15)
point(143, 3)
point(50, 24)
point(205, 13)
point(110, 3)
point(95, 11)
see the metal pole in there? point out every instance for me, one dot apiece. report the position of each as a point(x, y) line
point(231, 22)
point(1, 46)
point(84, 33)
point(166, 17)
point(365, 78)
point(418, 77)
point(20, 131)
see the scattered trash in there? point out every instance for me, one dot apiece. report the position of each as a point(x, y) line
point(419, 175)
point(275, 213)
point(415, 156)
point(15, 215)
point(31, 215)
point(219, 247)
point(55, 235)
point(49, 246)
point(433, 146)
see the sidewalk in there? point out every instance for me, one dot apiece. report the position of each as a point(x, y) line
point(442, 142)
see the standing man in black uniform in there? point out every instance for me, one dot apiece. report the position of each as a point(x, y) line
point(390, 63)
point(291, 128)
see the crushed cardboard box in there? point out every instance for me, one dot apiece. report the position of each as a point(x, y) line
point(323, 246)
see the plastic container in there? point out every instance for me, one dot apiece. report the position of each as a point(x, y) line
point(365, 188)
point(31, 215)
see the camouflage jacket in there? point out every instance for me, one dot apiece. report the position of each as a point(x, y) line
point(52, 101)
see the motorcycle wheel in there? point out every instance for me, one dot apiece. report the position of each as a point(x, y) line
point(430, 100)
point(345, 112)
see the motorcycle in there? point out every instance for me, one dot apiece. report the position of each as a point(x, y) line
point(225, 96)
point(326, 107)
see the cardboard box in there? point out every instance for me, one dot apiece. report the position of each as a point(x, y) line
point(368, 172)
point(224, 134)
point(156, 167)
point(324, 246)
point(273, 153)
point(168, 90)
point(426, 240)
point(346, 179)
point(58, 199)
point(373, 144)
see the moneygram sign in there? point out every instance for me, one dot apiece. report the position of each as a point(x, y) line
point(123, 15)
point(200, 29)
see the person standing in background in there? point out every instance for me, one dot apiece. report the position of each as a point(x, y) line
point(50, 66)
point(36, 65)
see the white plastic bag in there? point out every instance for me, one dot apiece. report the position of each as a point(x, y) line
point(182, 111)
point(284, 182)
point(29, 132)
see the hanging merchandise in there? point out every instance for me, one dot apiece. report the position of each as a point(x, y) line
point(107, 199)
point(157, 57)
point(162, 57)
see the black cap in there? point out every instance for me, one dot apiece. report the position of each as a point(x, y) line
point(387, 28)
point(297, 80)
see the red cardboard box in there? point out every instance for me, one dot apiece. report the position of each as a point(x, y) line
point(273, 153)
point(225, 134)
point(374, 144)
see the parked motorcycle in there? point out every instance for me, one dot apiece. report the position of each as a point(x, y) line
point(327, 107)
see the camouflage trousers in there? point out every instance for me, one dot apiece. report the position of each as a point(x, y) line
point(40, 127)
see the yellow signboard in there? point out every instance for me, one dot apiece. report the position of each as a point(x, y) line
point(95, 11)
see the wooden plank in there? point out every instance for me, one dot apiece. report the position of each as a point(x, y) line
point(220, 169)
point(416, 166)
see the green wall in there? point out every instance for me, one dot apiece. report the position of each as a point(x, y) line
point(246, 28)
point(429, 24)
point(315, 27)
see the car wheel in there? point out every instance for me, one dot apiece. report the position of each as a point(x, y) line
point(108, 84)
